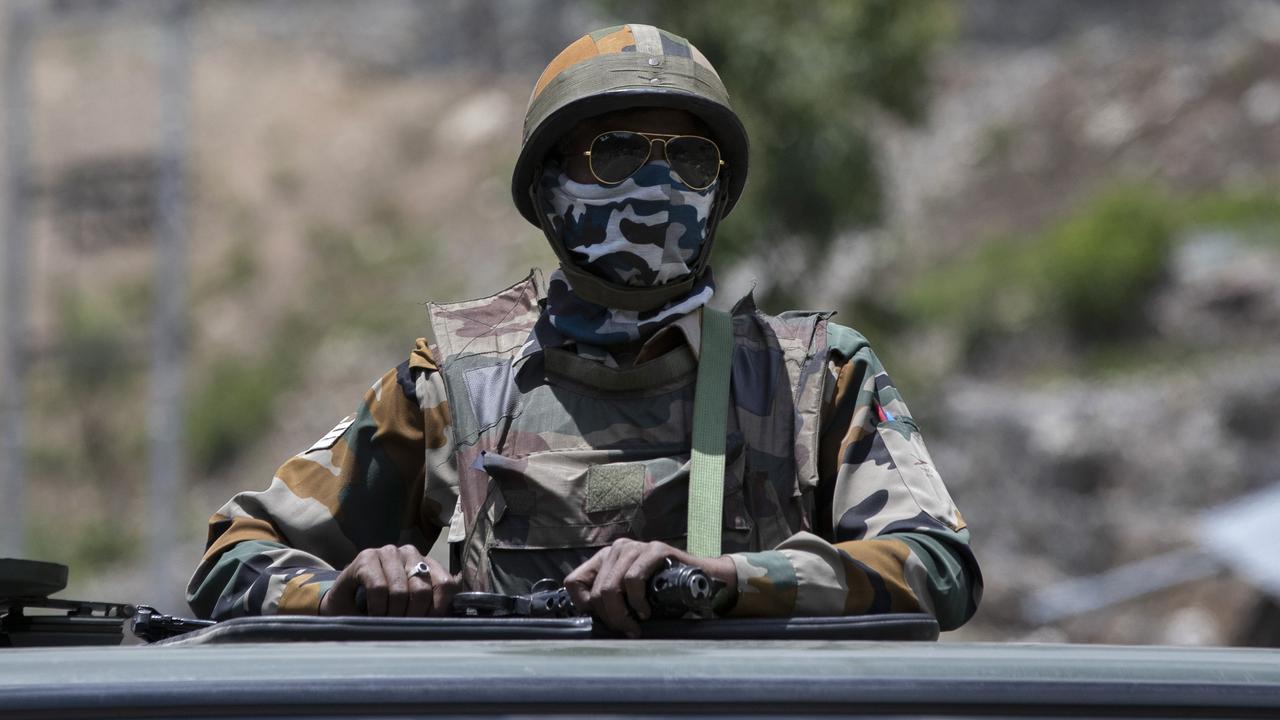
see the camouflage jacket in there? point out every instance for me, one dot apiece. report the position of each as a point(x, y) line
point(832, 503)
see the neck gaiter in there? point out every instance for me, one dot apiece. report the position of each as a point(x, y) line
point(647, 230)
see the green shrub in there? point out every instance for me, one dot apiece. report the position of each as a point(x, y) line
point(233, 404)
point(1090, 274)
point(989, 291)
point(94, 544)
point(98, 335)
point(1096, 271)
point(807, 79)
point(1245, 210)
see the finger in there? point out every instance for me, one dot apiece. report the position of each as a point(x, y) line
point(341, 598)
point(636, 580)
point(419, 597)
point(397, 580)
point(609, 578)
point(444, 592)
point(443, 587)
point(606, 593)
point(374, 581)
point(579, 582)
point(420, 588)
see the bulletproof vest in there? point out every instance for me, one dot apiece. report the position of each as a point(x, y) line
point(559, 455)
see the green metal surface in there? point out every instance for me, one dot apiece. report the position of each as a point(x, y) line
point(639, 678)
point(256, 664)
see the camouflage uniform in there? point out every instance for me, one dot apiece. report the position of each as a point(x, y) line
point(535, 445)
point(534, 457)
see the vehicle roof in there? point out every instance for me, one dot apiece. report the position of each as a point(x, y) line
point(642, 676)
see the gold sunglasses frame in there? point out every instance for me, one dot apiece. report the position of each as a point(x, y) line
point(663, 138)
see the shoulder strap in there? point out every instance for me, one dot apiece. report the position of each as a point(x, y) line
point(710, 416)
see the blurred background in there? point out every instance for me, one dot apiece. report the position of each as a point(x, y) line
point(1057, 222)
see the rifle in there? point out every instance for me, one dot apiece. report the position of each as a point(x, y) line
point(152, 625)
point(26, 585)
point(673, 591)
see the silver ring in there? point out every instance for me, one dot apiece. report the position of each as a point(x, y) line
point(420, 570)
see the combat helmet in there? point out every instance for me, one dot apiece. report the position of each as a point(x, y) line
point(621, 67)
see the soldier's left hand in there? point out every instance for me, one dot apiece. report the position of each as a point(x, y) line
point(612, 584)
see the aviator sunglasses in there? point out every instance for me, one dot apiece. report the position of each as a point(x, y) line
point(616, 155)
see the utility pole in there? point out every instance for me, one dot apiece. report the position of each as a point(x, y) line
point(13, 383)
point(168, 330)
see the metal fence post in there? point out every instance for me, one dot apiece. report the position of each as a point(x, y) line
point(13, 387)
point(169, 318)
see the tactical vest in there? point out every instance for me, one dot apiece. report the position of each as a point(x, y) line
point(559, 455)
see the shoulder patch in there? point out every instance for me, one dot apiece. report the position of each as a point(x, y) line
point(331, 438)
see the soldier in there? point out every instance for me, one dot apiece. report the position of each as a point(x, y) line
point(548, 429)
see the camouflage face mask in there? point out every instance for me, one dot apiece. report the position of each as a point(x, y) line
point(644, 231)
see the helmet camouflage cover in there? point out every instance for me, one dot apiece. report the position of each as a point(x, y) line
point(621, 67)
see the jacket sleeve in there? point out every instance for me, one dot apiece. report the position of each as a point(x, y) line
point(888, 536)
point(381, 476)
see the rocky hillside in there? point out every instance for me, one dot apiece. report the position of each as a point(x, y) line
point(1073, 450)
point(1078, 286)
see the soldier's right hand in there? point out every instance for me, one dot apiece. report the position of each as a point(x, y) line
point(390, 589)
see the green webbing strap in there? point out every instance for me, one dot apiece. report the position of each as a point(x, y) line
point(710, 414)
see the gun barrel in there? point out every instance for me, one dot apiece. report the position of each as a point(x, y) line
point(679, 589)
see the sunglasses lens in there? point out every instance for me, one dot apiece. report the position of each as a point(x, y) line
point(696, 160)
point(615, 155)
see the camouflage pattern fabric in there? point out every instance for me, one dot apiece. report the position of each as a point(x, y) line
point(582, 321)
point(832, 503)
point(361, 485)
point(891, 538)
point(642, 232)
point(645, 231)
point(647, 40)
